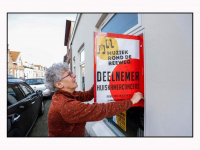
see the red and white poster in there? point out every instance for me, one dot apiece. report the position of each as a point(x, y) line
point(118, 67)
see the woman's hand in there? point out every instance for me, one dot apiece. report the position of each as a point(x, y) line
point(137, 97)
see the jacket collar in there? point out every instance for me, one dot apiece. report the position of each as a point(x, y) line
point(67, 94)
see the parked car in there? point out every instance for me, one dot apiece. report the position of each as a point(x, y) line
point(38, 84)
point(24, 105)
point(22, 78)
point(10, 76)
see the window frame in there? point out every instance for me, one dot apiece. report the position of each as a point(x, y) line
point(82, 62)
point(137, 30)
point(29, 87)
point(20, 91)
point(80, 65)
point(25, 95)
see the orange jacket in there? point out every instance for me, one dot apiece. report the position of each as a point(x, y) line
point(68, 115)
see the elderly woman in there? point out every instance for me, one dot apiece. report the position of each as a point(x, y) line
point(67, 113)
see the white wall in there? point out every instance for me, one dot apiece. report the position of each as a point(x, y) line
point(28, 72)
point(168, 84)
point(84, 37)
point(168, 70)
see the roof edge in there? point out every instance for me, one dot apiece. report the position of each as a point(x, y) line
point(75, 26)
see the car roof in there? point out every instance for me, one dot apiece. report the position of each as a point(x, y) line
point(35, 78)
point(14, 80)
point(10, 75)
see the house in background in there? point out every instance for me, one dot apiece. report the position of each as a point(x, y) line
point(32, 71)
point(23, 69)
point(15, 64)
point(38, 71)
point(68, 33)
point(28, 70)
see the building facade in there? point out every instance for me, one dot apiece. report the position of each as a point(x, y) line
point(22, 69)
point(39, 71)
point(15, 64)
point(68, 32)
point(167, 66)
point(28, 70)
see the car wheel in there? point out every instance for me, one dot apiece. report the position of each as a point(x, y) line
point(42, 108)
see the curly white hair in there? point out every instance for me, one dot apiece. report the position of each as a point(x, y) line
point(54, 74)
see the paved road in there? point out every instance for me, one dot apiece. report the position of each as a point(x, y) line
point(40, 128)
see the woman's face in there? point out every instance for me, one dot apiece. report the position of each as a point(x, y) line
point(69, 81)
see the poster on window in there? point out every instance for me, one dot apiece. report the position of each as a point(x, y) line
point(118, 67)
point(120, 120)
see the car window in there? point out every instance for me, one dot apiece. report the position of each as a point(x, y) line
point(14, 94)
point(34, 81)
point(29, 87)
point(26, 90)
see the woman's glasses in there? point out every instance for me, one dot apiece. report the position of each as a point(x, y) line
point(70, 74)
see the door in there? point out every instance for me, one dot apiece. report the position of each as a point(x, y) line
point(33, 98)
point(18, 113)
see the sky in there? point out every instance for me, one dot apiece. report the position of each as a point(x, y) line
point(39, 37)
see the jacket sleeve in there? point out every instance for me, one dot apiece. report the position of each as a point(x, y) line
point(76, 111)
point(85, 96)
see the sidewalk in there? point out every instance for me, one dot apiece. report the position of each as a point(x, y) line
point(40, 129)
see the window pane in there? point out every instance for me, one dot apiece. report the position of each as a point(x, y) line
point(40, 81)
point(14, 95)
point(82, 55)
point(26, 90)
point(35, 81)
point(10, 71)
point(121, 23)
point(28, 87)
point(128, 122)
